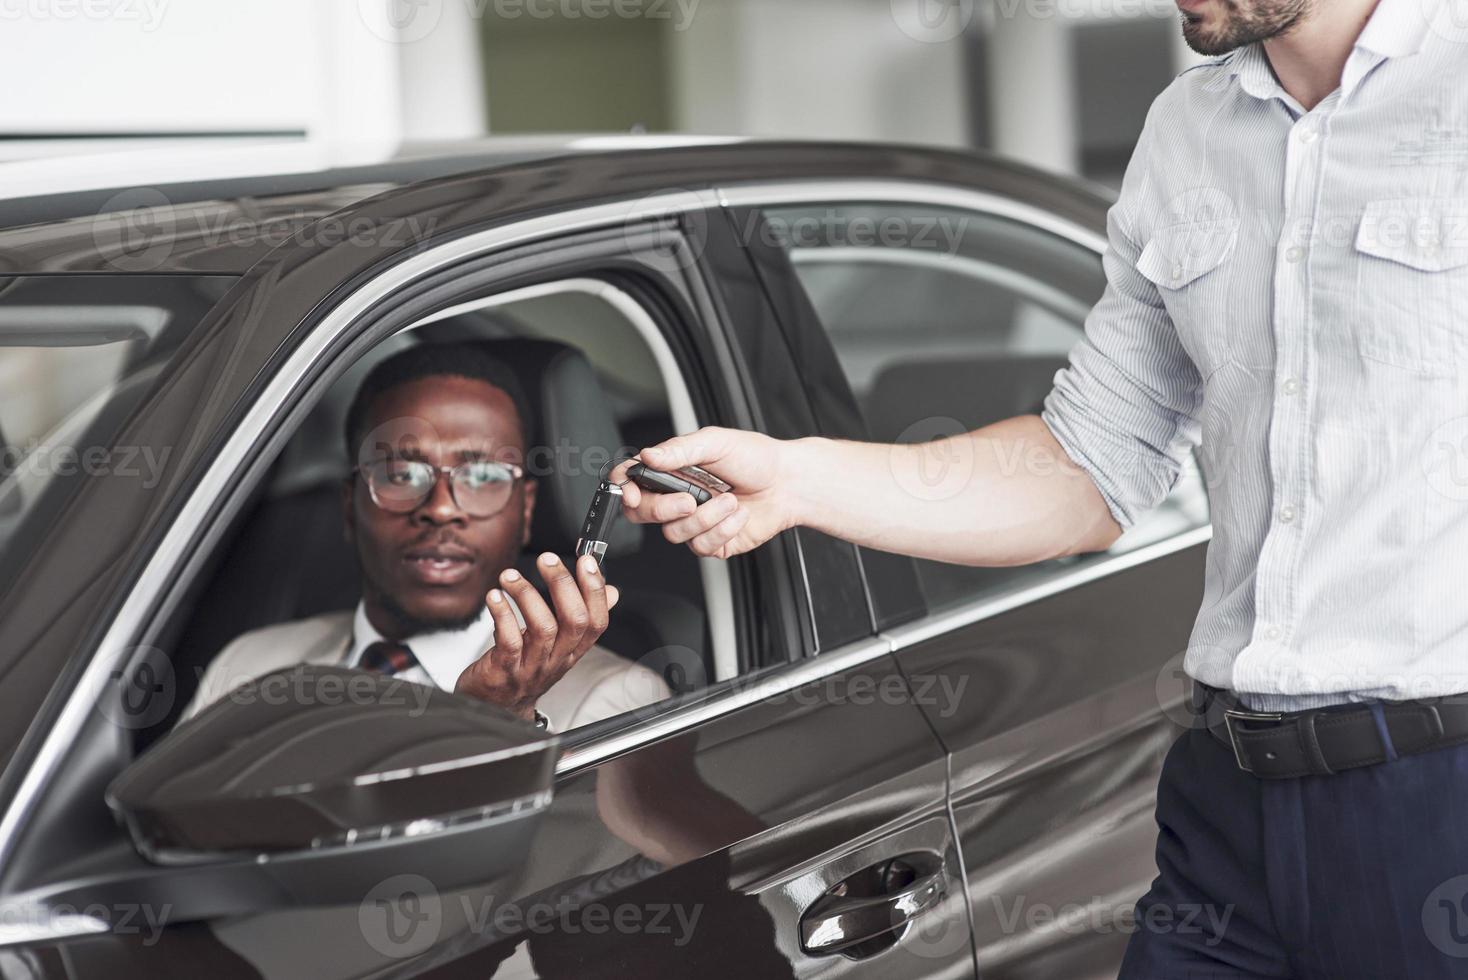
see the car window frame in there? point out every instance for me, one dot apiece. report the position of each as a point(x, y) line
point(924, 623)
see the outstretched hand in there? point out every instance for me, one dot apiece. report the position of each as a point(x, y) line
point(759, 506)
point(524, 663)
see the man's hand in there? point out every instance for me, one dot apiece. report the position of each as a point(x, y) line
point(523, 664)
point(760, 505)
point(1006, 494)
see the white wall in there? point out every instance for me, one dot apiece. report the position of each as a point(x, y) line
point(835, 69)
point(336, 70)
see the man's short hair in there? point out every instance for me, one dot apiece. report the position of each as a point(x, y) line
point(460, 360)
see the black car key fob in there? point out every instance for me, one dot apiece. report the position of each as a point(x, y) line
point(659, 482)
point(596, 530)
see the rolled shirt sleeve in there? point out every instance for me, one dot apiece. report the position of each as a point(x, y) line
point(1125, 408)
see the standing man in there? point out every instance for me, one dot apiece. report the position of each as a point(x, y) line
point(1288, 286)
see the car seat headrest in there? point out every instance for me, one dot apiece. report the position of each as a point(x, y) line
point(573, 434)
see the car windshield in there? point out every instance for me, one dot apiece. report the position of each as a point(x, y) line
point(77, 356)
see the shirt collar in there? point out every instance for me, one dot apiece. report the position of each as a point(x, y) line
point(1398, 28)
point(444, 654)
point(1395, 29)
point(1251, 66)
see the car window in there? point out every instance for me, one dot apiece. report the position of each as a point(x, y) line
point(945, 320)
point(602, 382)
point(77, 355)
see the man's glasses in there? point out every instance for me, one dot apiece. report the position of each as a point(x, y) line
point(480, 487)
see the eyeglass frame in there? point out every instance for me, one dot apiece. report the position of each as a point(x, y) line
point(517, 474)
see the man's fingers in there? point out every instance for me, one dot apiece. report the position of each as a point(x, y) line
point(707, 445)
point(656, 508)
point(709, 543)
point(507, 638)
point(571, 615)
point(613, 594)
point(704, 518)
point(540, 622)
point(594, 593)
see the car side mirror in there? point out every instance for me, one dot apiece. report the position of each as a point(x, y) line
point(316, 757)
point(309, 786)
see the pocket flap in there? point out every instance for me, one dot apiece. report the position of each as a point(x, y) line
point(1427, 233)
point(1179, 253)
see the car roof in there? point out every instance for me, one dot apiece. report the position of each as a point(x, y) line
point(79, 231)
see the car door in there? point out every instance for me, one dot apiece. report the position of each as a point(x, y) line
point(791, 820)
point(927, 310)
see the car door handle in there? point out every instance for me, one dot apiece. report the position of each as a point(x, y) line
point(840, 920)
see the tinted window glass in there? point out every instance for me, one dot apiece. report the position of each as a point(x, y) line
point(947, 320)
point(77, 355)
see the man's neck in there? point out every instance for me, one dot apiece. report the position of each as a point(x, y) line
point(1310, 59)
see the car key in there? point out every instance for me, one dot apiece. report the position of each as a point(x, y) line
point(596, 530)
point(659, 482)
point(606, 503)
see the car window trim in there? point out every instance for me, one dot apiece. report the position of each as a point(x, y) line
point(864, 191)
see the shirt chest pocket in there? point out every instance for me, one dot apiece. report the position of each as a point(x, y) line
point(1411, 285)
point(1188, 263)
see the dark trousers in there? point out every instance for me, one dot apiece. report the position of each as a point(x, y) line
point(1363, 874)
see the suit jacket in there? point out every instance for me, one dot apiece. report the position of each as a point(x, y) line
point(600, 685)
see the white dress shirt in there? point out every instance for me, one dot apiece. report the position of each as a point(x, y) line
point(1289, 290)
point(442, 655)
point(600, 685)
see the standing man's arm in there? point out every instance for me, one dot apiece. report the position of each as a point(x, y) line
point(1108, 447)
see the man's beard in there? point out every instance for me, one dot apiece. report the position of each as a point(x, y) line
point(416, 626)
point(1263, 20)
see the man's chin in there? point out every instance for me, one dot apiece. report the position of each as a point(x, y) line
point(435, 614)
point(1204, 40)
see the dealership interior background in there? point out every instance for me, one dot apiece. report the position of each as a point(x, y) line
point(1063, 84)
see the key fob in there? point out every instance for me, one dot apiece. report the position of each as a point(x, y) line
point(596, 530)
point(659, 482)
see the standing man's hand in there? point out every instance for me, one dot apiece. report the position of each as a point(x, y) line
point(524, 663)
point(760, 505)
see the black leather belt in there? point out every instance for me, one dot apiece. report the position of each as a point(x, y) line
point(1284, 745)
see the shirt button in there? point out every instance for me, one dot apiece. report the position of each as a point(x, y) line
point(1309, 135)
point(1273, 633)
point(1177, 273)
point(1291, 386)
point(1286, 514)
point(1295, 254)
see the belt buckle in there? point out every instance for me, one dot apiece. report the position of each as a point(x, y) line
point(1232, 715)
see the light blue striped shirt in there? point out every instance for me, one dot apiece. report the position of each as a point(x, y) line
point(1288, 292)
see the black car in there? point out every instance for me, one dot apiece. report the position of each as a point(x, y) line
point(870, 765)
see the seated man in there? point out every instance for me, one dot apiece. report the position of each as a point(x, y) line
point(438, 507)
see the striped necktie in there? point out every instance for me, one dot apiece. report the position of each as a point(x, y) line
point(387, 659)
